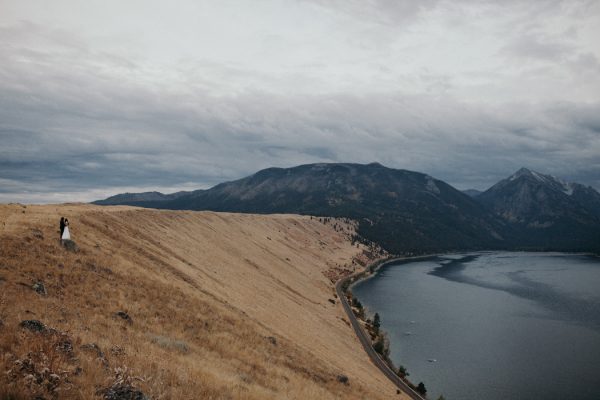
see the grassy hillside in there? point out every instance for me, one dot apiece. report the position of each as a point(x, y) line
point(177, 304)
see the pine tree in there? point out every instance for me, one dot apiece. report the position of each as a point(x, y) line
point(376, 322)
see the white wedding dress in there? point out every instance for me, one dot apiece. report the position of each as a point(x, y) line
point(66, 235)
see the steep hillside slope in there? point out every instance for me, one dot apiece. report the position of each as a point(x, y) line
point(182, 305)
point(402, 210)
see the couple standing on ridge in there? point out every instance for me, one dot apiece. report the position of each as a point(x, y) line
point(64, 229)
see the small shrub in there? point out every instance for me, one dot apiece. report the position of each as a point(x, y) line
point(171, 344)
point(343, 379)
point(402, 372)
point(123, 387)
point(45, 369)
point(382, 346)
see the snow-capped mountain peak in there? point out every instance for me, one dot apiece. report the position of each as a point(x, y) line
point(552, 181)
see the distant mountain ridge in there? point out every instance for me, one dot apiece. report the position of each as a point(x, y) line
point(407, 211)
point(472, 192)
point(126, 198)
point(546, 211)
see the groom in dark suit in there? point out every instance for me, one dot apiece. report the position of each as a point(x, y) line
point(62, 226)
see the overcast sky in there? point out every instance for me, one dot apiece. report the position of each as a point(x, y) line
point(103, 97)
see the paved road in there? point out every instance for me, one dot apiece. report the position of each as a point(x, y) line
point(365, 340)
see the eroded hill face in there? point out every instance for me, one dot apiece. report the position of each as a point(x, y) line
point(181, 305)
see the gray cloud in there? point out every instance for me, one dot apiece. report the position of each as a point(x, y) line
point(379, 11)
point(226, 138)
point(80, 121)
point(536, 47)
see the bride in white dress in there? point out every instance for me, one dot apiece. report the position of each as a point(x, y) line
point(66, 235)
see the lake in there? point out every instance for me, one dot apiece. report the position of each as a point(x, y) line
point(493, 325)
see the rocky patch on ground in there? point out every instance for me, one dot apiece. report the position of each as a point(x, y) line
point(122, 392)
point(39, 288)
point(124, 316)
point(123, 388)
point(33, 325)
point(70, 245)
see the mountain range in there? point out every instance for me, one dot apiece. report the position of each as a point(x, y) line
point(545, 211)
point(406, 211)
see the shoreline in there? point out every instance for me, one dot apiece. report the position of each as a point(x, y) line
point(370, 270)
point(341, 287)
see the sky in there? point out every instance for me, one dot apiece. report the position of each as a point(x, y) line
point(105, 97)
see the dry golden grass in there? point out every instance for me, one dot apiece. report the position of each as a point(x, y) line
point(222, 306)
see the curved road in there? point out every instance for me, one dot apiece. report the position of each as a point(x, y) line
point(366, 342)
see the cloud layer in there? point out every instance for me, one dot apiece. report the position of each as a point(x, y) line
point(161, 98)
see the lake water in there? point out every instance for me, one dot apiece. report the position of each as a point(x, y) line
point(499, 325)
